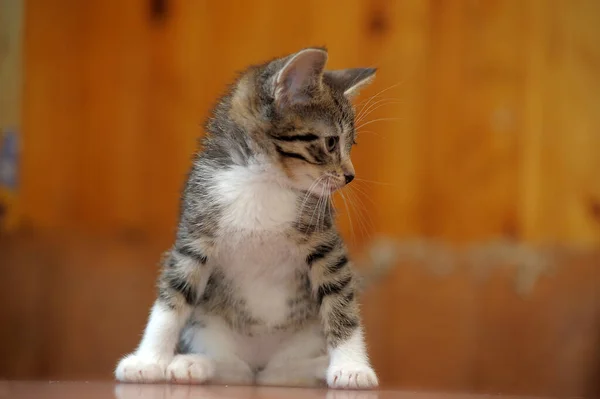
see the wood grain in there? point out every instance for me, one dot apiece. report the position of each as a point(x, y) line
point(494, 104)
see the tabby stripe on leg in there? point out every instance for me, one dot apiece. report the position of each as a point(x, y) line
point(341, 262)
point(180, 285)
point(193, 253)
point(332, 288)
point(348, 322)
point(172, 262)
point(349, 297)
point(320, 251)
point(343, 329)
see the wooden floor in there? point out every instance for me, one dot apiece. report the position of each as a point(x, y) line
point(99, 390)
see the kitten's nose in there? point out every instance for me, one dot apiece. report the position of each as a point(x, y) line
point(349, 178)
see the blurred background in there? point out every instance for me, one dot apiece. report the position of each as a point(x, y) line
point(481, 158)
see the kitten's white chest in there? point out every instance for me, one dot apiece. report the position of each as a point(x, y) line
point(253, 202)
point(263, 270)
point(254, 251)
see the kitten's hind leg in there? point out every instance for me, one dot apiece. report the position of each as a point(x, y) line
point(296, 373)
point(233, 371)
point(212, 339)
point(190, 369)
point(301, 362)
point(199, 368)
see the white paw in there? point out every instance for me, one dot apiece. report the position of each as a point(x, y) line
point(134, 368)
point(190, 369)
point(351, 376)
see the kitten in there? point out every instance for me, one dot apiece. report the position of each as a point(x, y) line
point(258, 288)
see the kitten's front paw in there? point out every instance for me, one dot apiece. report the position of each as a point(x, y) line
point(134, 368)
point(351, 376)
point(190, 369)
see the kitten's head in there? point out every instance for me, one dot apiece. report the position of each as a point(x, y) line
point(298, 117)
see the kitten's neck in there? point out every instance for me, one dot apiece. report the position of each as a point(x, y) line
point(255, 198)
point(252, 198)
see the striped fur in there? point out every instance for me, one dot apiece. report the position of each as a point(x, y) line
point(258, 261)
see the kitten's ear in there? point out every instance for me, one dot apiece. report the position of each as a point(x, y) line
point(352, 80)
point(300, 77)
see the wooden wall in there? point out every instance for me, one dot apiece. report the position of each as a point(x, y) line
point(490, 131)
point(496, 105)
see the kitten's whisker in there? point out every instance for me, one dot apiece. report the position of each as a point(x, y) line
point(368, 218)
point(309, 194)
point(331, 208)
point(373, 182)
point(352, 234)
point(363, 215)
point(376, 95)
point(323, 212)
point(377, 120)
point(357, 213)
point(368, 107)
point(365, 118)
point(363, 102)
point(315, 209)
point(328, 204)
point(368, 131)
point(325, 202)
point(357, 188)
point(321, 203)
point(375, 106)
point(379, 93)
point(304, 204)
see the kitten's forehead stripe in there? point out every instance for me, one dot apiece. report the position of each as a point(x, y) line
point(294, 155)
point(298, 137)
point(317, 152)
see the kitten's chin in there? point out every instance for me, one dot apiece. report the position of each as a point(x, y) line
point(324, 189)
point(319, 187)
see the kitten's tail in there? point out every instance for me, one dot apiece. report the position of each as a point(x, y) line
point(382, 257)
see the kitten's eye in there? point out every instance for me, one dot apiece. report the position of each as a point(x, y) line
point(331, 143)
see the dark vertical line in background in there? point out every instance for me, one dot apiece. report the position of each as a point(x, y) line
point(158, 11)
